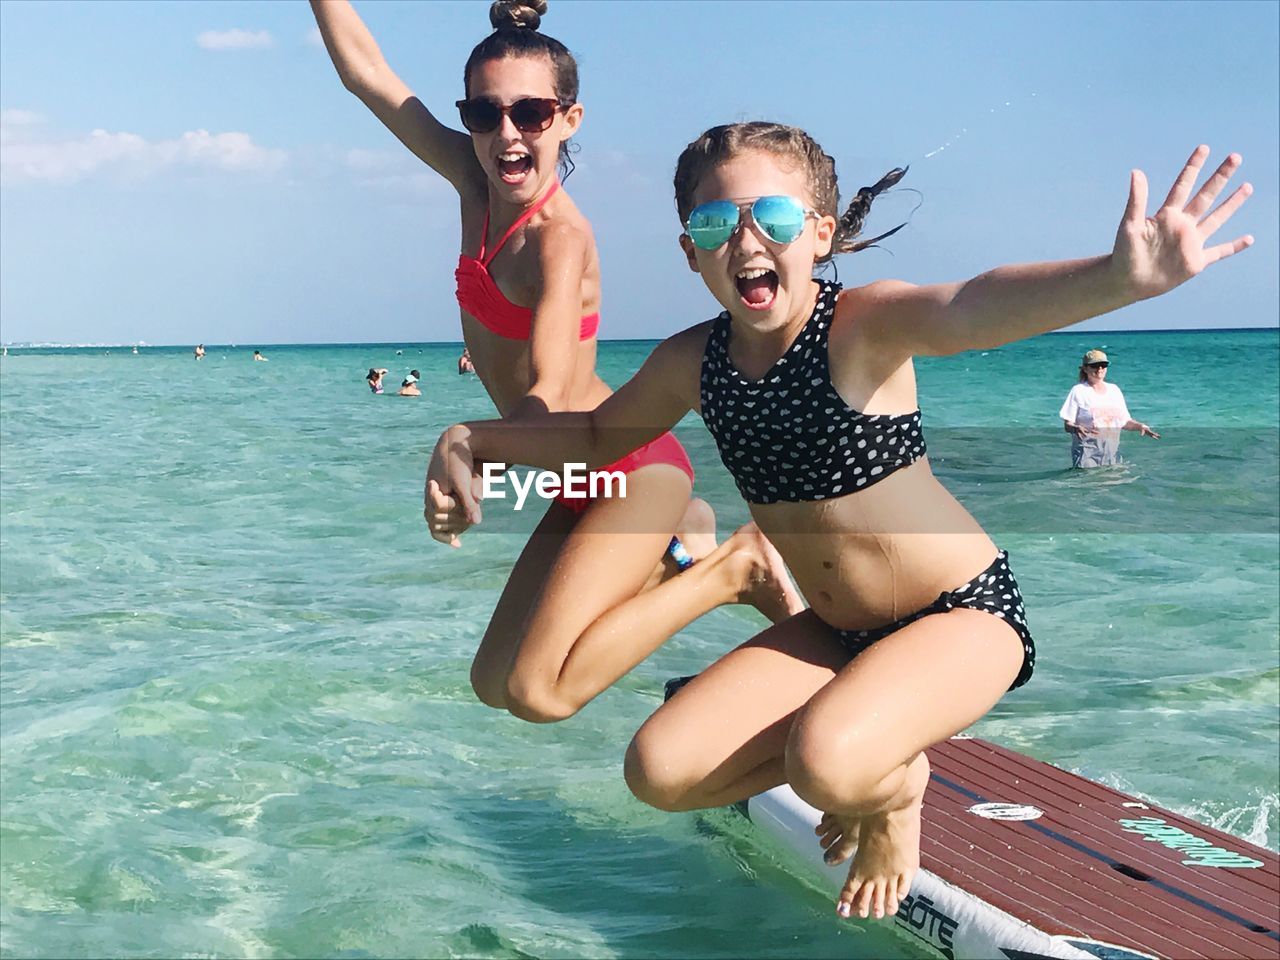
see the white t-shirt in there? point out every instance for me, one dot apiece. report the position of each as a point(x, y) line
point(1087, 407)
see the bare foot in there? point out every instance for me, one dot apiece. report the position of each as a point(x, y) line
point(838, 835)
point(765, 583)
point(888, 852)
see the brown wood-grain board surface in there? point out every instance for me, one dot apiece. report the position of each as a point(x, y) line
point(1077, 871)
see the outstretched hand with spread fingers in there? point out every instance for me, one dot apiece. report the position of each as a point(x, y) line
point(1159, 252)
point(450, 503)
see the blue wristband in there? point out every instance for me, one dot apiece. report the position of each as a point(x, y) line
point(679, 554)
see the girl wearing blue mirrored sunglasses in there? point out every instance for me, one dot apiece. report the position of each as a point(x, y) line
point(917, 626)
point(780, 219)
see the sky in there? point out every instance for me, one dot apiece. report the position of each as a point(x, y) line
point(182, 172)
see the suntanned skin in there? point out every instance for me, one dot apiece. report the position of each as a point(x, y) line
point(579, 610)
point(789, 705)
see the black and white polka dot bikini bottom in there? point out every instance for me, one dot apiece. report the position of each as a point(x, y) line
point(993, 591)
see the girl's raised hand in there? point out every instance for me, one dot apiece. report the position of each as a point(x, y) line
point(1159, 252)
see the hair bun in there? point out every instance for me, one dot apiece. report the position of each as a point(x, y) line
point(517, 14)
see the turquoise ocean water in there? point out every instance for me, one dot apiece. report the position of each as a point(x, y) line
point(236, 719)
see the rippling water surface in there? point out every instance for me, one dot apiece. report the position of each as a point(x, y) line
point(236, 715)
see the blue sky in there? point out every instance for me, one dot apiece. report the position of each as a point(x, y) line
point(183, 172)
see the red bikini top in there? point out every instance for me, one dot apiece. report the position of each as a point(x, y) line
point(479, 295)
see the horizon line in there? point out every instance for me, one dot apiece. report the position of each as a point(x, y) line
point(31, 345)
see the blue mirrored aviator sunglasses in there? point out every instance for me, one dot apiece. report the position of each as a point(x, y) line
point(779, 218)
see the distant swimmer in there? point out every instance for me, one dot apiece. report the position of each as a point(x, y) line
point(257, 355)
point(464, 362)
point(374, 378)
point(198, 352)
point(1094, 413)
point(409, 385)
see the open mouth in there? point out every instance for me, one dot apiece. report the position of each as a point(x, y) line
point(514, 167)
point(757, 287)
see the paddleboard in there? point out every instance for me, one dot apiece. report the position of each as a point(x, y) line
point(1021, 860)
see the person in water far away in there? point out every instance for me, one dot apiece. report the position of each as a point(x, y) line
point(409, 385)
point(1094, 413)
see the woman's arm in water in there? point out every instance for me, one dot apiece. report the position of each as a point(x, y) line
point(1152, 255)
point(365, 73)
point(646, 406)
point(1142, 428)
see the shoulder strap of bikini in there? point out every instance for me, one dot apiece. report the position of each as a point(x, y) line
point(713, 358)
point(520, 221)
point(484, 235)
point(823, 320)
point(717, 347)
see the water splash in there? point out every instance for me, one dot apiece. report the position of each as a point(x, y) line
point(1264, 815)
point(955, 137)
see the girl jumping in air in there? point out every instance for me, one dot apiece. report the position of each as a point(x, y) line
point(916, 627)
point(578, 611)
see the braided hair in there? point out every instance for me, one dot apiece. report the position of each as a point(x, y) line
point(794, 145)
point(850, 224)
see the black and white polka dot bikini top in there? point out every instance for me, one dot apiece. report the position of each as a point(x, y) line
point(789, 436)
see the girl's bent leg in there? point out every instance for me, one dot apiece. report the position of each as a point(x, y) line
point(721, 738)
point(492, 664)
point(492, 661)
point(594, 619)
point(856, 750)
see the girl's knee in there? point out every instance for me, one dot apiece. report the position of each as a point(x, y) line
point(698, 517)
point(835, 769)
point(489, 688)
point(536, 700)
point(650, 774)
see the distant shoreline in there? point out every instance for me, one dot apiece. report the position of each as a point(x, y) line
point(400, 344)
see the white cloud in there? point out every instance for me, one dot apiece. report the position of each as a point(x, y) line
point(31, 152)
point(231, 151)
point(373, 160)
point(24, 157)
point(611, 165)
point(235, 39)
point(396, 171)
point(313, 38)
point(10, 119)
point(406, 184)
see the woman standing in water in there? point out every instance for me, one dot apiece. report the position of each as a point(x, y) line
point(1094, 413)
point(529, 288)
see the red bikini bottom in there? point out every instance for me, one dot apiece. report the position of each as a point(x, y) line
point(666, 449)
